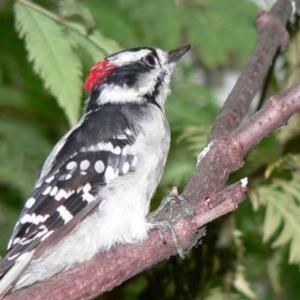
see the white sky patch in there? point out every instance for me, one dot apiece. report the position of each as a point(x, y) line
point(65, 214)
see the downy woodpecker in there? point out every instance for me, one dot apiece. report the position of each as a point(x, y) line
point(94, 189)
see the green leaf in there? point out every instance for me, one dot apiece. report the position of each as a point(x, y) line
point(282, 222)
point(52, 56)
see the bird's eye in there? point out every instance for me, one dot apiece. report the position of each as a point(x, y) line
point(149, 60)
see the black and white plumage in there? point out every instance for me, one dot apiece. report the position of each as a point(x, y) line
point(95, 187)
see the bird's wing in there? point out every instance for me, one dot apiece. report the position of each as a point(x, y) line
point(90, 158)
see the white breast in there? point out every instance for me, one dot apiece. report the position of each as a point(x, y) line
point(121, 216)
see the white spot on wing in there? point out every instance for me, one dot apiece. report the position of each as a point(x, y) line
point(134, 162)
point(71, 165)
point(49, 179)
point(125, 168)
point(34, 218)
point(30, 202)
point(121, 137)
point(88, 197)
point(125, 150)
point(128, 131)
point(84, 165)
point(117, 150)
point(87, 188)
point(16, 240)
point(65, 214)
point(109, 174)
point(68, 176)
point(47, 190)
point(54, 191)
point(61, 194)
point(99, 166)
point(105, 146)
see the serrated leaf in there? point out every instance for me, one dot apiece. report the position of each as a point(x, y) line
point(52, 56)
point(282, 221)
point(271, 223)
point(242, 285)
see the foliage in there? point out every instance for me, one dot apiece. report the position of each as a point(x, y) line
point(281, 198)
point(251, 255)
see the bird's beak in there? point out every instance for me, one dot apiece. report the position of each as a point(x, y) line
point(176, 54)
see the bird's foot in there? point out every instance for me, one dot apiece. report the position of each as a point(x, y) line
point(163, 227)
point(172, 208)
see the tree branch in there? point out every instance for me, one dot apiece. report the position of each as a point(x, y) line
point(108, 270)
point(225, 155)
point(271, 36)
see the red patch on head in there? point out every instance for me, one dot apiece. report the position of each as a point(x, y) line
point(98, 73)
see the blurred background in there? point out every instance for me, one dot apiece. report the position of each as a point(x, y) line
point(46, 50)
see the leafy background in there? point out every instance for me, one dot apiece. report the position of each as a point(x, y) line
point(46, 50)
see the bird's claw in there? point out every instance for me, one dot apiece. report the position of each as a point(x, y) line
point(164, 226)
point(172, 208)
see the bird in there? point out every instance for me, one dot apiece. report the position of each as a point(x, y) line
point(95, 187)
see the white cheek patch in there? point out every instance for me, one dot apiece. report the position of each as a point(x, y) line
point(119, 94)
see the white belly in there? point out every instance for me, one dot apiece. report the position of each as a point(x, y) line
point(120, 217)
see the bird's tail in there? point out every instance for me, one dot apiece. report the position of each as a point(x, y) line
point(10, 270)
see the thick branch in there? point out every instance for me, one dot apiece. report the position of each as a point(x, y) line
point(271, 36)
point(108, 270)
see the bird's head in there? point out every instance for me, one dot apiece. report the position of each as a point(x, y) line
point(133, 75)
